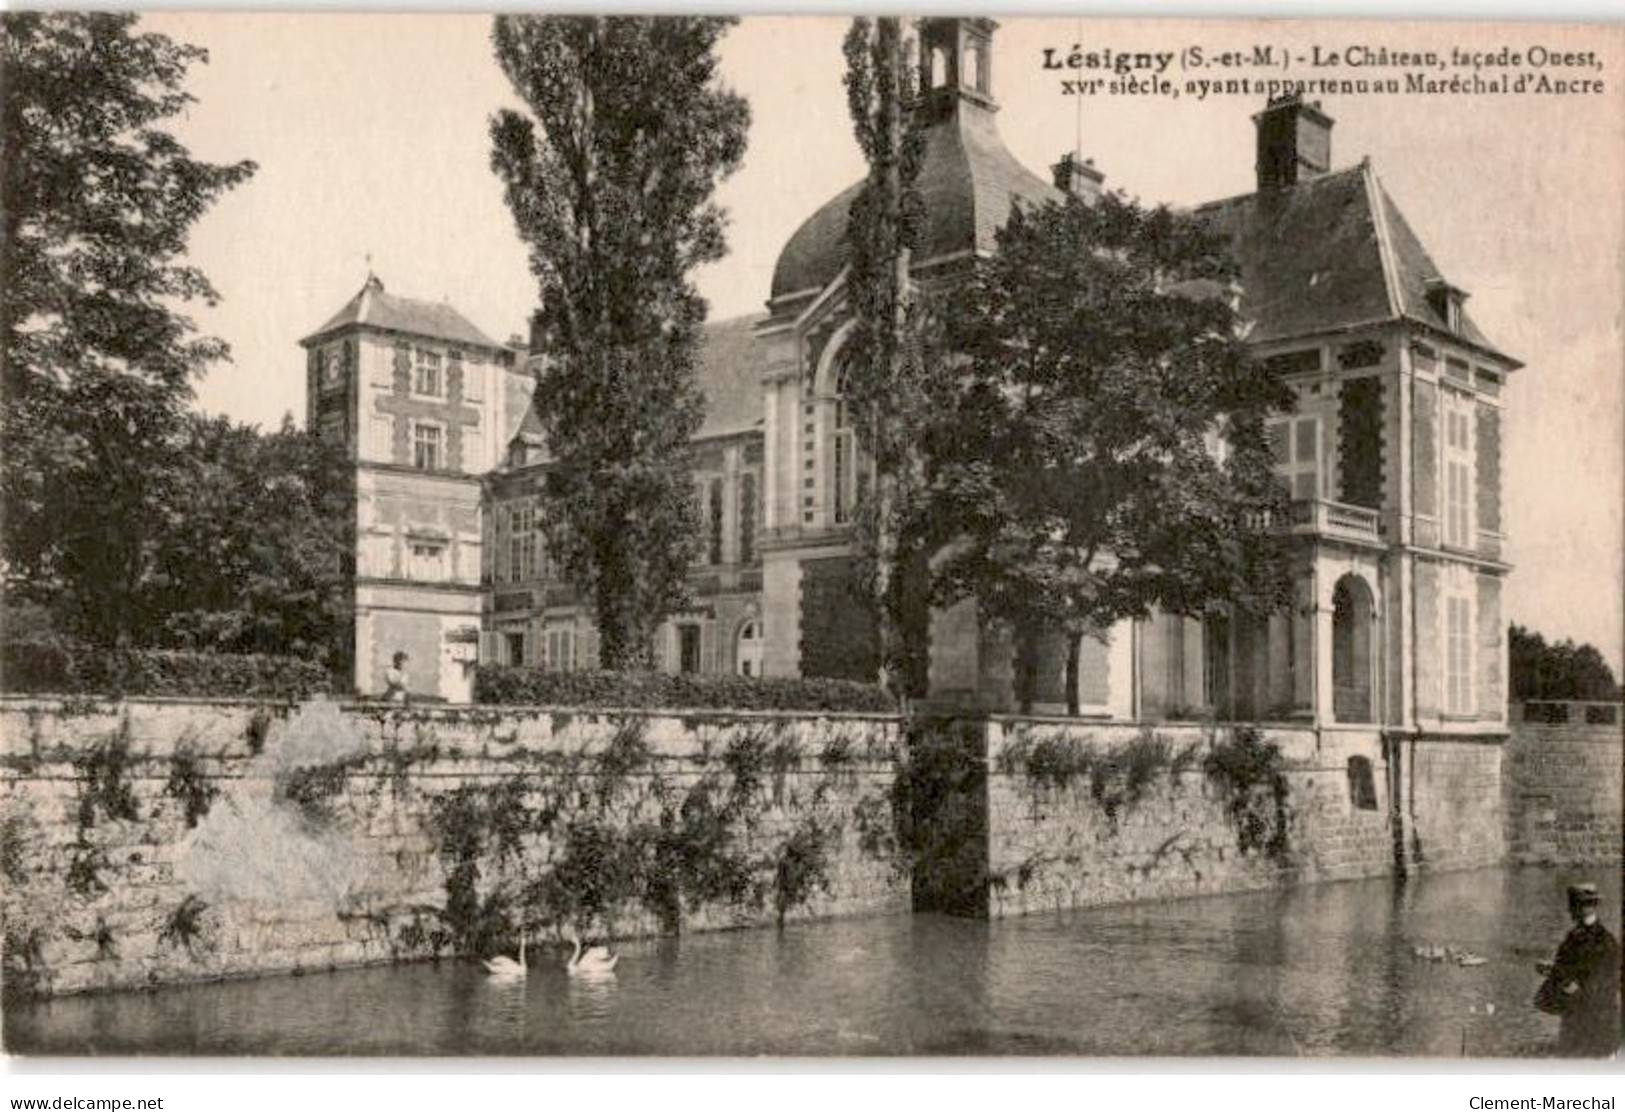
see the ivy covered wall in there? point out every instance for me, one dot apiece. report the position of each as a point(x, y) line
point(152, 842)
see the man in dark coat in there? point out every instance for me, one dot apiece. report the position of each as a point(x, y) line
point(1583, 982)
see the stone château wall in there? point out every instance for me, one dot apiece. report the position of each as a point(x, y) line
point(1081, 814)
point(1562, 783)
point(162, 841)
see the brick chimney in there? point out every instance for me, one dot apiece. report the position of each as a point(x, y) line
point(1294, 142)
point(1079, 178)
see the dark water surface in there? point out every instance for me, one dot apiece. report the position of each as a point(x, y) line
point(1320, 970)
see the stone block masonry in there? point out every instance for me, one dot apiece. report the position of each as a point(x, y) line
point(1082, 814)
point(150, 842)
point(1563, 784)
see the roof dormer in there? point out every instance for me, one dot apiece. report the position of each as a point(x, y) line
point(1446, 301)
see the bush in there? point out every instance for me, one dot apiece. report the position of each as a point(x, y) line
point(71, 668)
point(501, 684)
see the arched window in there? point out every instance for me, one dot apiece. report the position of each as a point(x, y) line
point(1352, 669)
point(937, 75)
point(748, 648)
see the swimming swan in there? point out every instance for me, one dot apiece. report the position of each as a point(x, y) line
point(594, 959)
point(505, 968)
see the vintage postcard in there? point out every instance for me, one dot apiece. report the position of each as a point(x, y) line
point(930, 536)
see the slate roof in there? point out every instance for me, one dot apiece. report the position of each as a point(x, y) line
point(967, 181)
point(434, 319)
point(726, 374)
point(1331, 252)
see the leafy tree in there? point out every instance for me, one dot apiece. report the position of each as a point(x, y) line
point(95, 204)
point(257, 556)
point(1562, 670)
point(886, 357)
point(609, 178)
point(1099, 443)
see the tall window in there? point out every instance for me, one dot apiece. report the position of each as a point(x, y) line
point(522, 544)
point(426, 377)
point(748, 654)
point(1459, 656)
point(1458, 473)
point(747, 518)
point(1296, 444)
point(688, 648)
point(1216, 661)
point(426, 447)
point(332, 369)
point(843, 467)
point(561, 649)
point(713, 542)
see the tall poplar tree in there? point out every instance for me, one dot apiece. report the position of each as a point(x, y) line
point(886, 350)
point(610, 175)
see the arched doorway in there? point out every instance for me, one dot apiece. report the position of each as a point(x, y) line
point(748, 648)
point(1352, 663)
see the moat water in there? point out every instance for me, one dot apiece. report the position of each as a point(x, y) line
point(1314, 971)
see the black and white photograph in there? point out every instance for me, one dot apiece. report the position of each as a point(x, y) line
point(913, 537)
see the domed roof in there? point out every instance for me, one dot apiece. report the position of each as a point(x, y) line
point(967, 181)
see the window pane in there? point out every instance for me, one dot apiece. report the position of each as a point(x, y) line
point(1303, 485)
point(1306, 446)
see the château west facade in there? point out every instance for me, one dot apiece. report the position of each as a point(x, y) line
point(1393, 458)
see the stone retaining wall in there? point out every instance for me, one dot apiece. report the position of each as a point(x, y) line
point(1098, 837)
point(159, 841)
point(1563, 785)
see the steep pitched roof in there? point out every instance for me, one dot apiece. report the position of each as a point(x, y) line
point(434, 319)
point(725, 372)
point(727, 376)
point(1330, 252)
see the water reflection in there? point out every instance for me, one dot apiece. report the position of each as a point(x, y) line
point(1323, 970)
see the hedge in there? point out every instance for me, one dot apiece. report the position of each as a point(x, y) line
point(70, 668)
point(502, 684)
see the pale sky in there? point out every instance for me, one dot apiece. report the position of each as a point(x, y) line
point(370, 132)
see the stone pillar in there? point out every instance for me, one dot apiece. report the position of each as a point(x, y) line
point(1323, 647)
point(1303, 646)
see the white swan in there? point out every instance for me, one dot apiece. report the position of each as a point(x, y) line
point(505, 968)
point(594, 959)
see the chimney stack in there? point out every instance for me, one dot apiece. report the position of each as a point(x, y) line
point(1079, 178)
point(1294, 142)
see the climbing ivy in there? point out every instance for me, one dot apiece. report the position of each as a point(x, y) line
point(188, 784)
point(1118, 777)
point(104, 779)
point(1250, 772)
point(587, 838)
point(183, 927)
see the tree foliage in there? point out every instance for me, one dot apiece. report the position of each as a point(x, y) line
point(885, 354)
point(1560, 670)
point(609, 177)
point(96, 201)
point(258, 552)
point(1099, 440)
point(227, 540)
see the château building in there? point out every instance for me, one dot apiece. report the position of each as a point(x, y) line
point(1393, 458)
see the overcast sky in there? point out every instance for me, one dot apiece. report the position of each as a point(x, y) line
point(370, 132)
